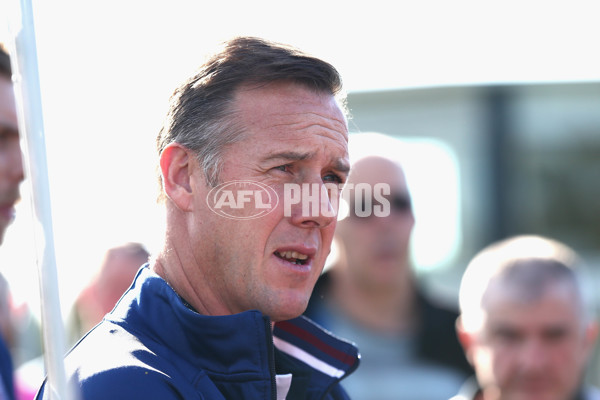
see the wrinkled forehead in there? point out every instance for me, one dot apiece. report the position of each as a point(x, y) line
point(293, 117)
point(256, 101)
point(503, 291)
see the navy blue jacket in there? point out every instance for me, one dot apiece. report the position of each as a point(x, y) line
point(154, 346)
point(6, 372)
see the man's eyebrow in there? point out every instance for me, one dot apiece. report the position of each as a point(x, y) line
point(338, 164)
point(289, 156)
point(341, 166)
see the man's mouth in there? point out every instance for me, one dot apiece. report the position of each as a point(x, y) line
point(293, 257)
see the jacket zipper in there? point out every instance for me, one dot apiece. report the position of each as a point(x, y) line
point(339, 380)
point(270, 346)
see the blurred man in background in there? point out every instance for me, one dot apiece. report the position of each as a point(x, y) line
point(11, 165)
point(408, 343)
point(11, 175)
point(525, 323)
point(117, 270)
point(115, 274)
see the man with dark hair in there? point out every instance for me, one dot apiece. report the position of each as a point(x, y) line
point(526, 323)
point(11, 175)
point(215, 314)
point(11, 165)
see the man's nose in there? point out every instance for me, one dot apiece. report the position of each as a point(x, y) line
point(317, 206)
point(532, 356)
point(16, 165)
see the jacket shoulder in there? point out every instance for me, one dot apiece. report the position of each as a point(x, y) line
point(128, 383)
point(119, 384)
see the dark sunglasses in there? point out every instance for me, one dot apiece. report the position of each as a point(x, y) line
point(363, 209)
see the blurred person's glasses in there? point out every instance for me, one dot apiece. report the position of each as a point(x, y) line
point(366, 210)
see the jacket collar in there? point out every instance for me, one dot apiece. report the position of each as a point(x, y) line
point(231, 343)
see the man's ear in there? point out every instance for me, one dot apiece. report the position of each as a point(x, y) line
point(176, 170)
point(465, 338)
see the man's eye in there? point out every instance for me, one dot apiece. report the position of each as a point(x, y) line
point(555, 335)
point(8, 137)
point(507, 336)
point(333, 178)
point(283, 168)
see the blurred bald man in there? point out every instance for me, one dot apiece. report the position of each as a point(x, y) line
point(526, 323)
point(409, 348)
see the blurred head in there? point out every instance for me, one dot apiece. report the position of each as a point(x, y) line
point(11, 167)
point(376, 247)
point(118, 268)
point(267, 114)
point(114, 276)
point(524, 322)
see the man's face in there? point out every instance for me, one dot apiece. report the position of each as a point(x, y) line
point(377, 248)
point(271, 263)
point(11, 167)
point(532, 349)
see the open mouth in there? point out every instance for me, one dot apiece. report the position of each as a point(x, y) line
point(293, 257)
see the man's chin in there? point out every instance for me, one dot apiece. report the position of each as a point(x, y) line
point(527, 393)
point(285, 315)
point(287, 310)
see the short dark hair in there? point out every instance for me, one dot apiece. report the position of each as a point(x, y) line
point(5, 68)
point(200, 115)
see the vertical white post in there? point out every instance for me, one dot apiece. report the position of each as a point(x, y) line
point(31, 127)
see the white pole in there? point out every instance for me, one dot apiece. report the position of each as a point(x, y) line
point(29, 106)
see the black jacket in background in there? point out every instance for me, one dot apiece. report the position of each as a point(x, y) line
point(436, 339)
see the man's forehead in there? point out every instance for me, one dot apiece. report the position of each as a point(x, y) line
point(527, 322)
point(502, 289)
point(558, 302)
point(256, 102)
